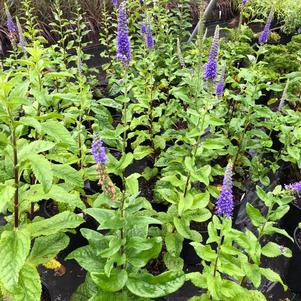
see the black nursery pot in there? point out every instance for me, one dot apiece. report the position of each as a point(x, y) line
point(46, 294)
point(294, 268)
point(291, 220)
point(188, 252)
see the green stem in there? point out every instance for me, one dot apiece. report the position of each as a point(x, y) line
point(16, 177)
point(124, 143)
point(218, 252)
point(242, 139)
point(195, 149)
point(260, 235)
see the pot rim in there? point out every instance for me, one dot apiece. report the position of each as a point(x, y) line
point(295, 240)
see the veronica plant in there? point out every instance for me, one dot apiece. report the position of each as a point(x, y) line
point(20, 257)
point(232, 259)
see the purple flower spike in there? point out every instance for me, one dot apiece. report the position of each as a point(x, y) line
point(143, 28)
point(11, 26)
point(295, 186)
point(123, 41)
point(211, 66)
point(266, 31)
point(299, 31)
point(98, 151)
point(141, 2)
point(149, 40)
point(225, 204)
point(221, 84)
point(22, 39)
point(244, 2)
point(115, 2)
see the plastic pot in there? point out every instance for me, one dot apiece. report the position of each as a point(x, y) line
point(291, 220)
point(46, 294)
point(294, 268)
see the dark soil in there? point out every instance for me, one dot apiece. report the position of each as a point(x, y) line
point(200, 227)
point(157, 265)
point(147, 188)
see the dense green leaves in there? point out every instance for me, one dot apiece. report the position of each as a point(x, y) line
point(148, 286)
point(14, 249)
point(114, 283)
point(47, 247)
point(42, 171)
point(29, 286)
point(58, 223)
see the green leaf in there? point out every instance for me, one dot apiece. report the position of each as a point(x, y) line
point(272, 276)
point(173, 242)
point(148, 286)
point(114, 283)
point(34, 147)
point(139, 256)
point(205, 252)
point(87, 258)
point(46, 248)
point(41, 168)
point(14, 249)
point(56, 193)
point(114, 246)
point(29, 287)
point(272, 249)
point(173, 263)
point(117, 296)
point(132, 184)
point(253, 273)
point(108, 102)
point(7, 192)
point(215, 143)
point(60, 222)
point(203, 174)
point(106, 218)
point(263, 196)
point(254, 214)
point(85, 291)
point(58, 132)
point(31, 122)
point(68, 174)
point(184, 230)
point(125, 161)
point(141, 152)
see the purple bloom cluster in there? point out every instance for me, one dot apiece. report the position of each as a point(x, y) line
point(244, 2)
point(295, 186)
point(115, 2)
point(123, 41)
point(225, 203)
point(211, 66)
point(98, 151)
point(141, 2)
point(143, 28)
point(11, 26)
point(22, 39)
point(266, 31)
point(221, 84)
point(149, 40)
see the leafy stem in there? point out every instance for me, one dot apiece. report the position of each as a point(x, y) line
point(219, 244)
point(201, 121)
point(124, 143)
point(16, 176)
point(242, 138)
